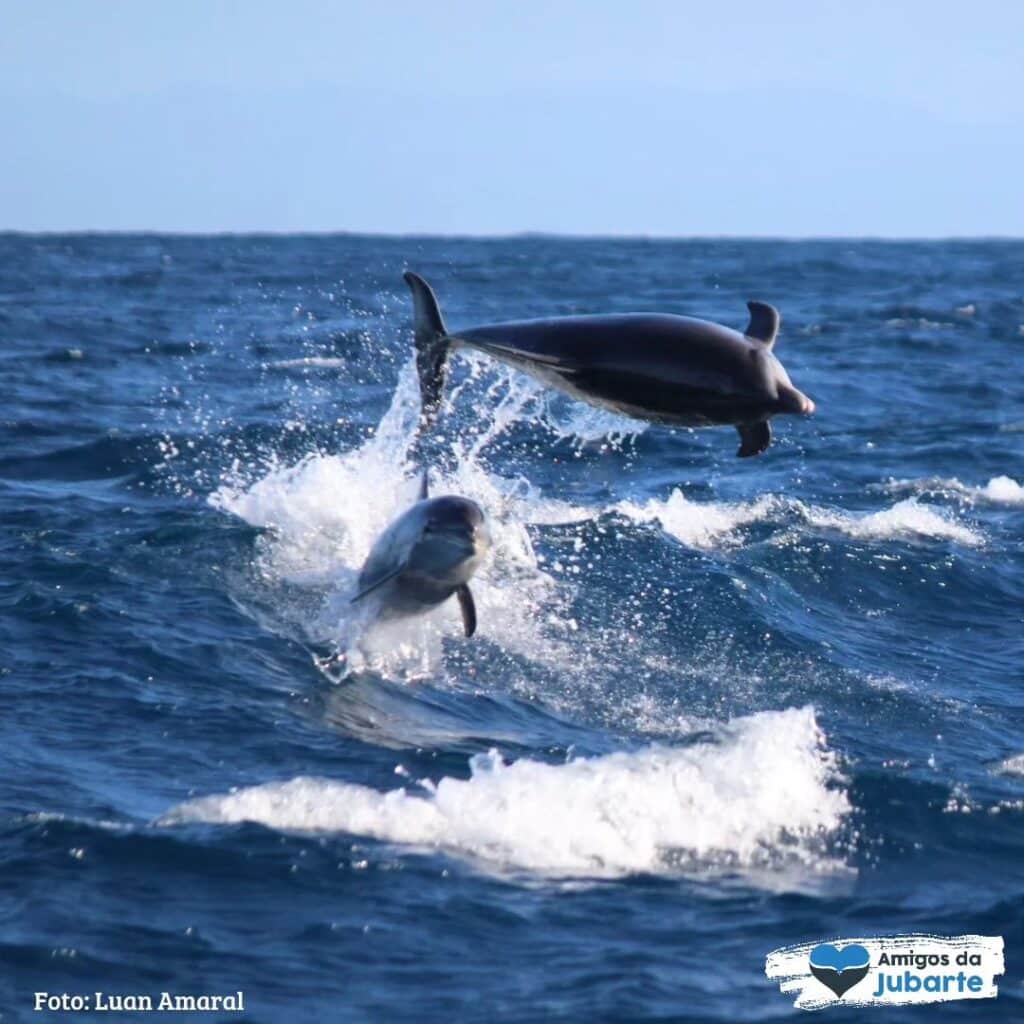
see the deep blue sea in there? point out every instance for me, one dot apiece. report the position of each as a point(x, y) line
point(714, 707)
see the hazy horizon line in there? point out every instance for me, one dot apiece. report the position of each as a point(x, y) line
point(495, 236)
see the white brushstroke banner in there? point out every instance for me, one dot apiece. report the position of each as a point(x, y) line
point(891, 970)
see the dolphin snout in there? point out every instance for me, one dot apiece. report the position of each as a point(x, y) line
point(481, 536)
point(473, 535)
point(459, 526)
point(794, 401)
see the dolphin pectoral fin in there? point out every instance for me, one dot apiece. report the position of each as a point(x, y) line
point(424, 487)
point(754, 438)
point(467, 607)
point(375, 584)
point(764, 322)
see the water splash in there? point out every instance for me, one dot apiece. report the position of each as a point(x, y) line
point(323, 514)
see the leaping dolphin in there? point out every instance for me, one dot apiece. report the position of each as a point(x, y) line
point(427, 554)
point(668, 369)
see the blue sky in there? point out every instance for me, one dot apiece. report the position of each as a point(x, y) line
point(650, 117)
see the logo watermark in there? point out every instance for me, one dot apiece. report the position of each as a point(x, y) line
point(889, 971)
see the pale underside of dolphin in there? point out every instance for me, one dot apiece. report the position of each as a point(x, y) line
point(667, 369)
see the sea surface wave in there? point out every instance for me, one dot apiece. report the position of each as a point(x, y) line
point(714, 706)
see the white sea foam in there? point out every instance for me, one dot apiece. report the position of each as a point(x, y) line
point(318, 362)
point(699, 524)
point(1012, 765)
point(713, 524)
point(766, 792)
point(918, 322)
point(1000, 490)
point(1004, 490)
point(906, 520)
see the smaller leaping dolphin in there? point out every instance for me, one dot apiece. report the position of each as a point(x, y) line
point(666, 369)
point(427, 554)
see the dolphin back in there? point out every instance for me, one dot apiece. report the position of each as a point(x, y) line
point(659, 367)
point(390, 553)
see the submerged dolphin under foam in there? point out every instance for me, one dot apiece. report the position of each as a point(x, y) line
point(427, 554)
point(668, 369)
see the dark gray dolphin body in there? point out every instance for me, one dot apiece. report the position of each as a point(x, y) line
point(427, 554)
point(667, 369)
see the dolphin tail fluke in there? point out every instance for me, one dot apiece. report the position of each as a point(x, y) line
point(432, 345)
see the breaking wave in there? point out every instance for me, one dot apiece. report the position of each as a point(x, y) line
point(765, 792)
point(700, 524)
point(714, 524)
point(906, 520)
point(1000, 490)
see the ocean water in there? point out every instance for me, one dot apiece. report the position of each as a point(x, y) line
point(715, 706)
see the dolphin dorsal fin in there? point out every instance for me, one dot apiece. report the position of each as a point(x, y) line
point(424, 487)
point(764, 322)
